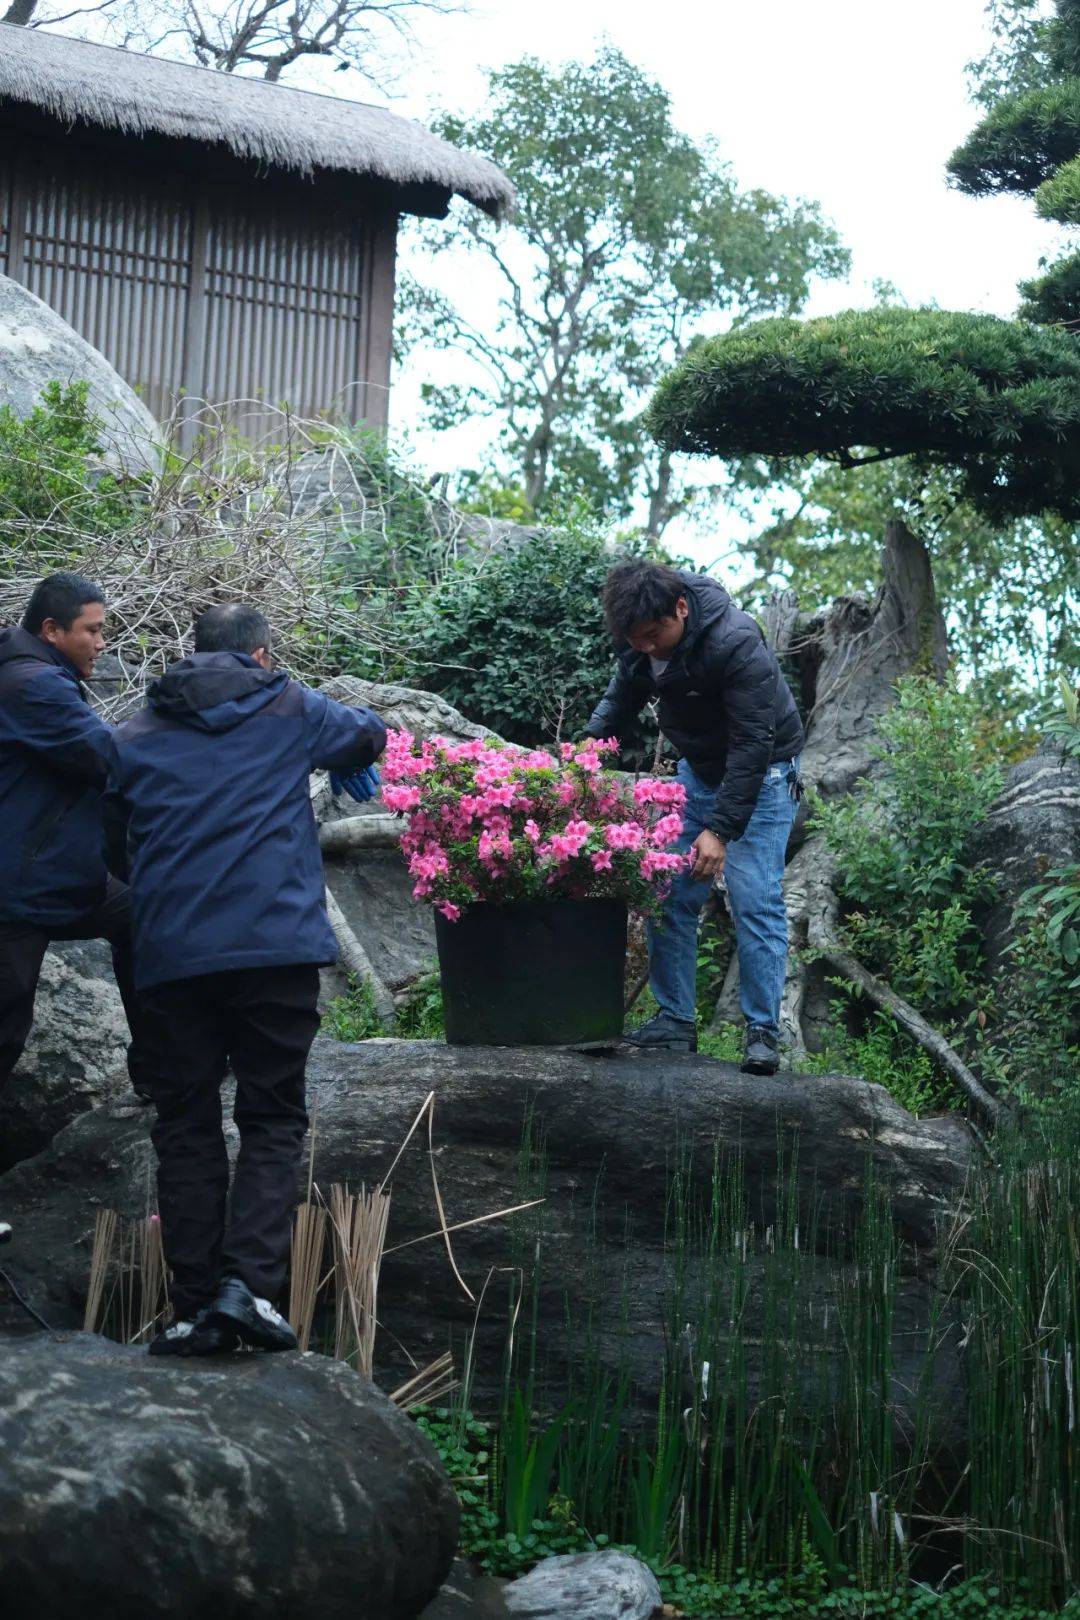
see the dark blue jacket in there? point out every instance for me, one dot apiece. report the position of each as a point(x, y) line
point(209, 799)
point(54, 753)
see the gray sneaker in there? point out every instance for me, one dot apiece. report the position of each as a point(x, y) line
point(762, 1052)
point(663, 1033)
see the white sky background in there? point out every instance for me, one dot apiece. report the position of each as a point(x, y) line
point(855, 104)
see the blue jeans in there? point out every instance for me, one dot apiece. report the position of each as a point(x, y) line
point(752, 873)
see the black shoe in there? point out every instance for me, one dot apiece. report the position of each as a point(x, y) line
point(762, 1052)
point(5, 1232)
point(255, 1320)
point(663, 1033)
point(195, 1337)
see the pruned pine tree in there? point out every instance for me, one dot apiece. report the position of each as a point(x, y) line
point(1028, 144)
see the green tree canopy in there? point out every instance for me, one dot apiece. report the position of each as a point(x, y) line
point(997, 401)
point(1021, 143)
point(628, 235)
point(1029, 141)
point(1030, 45)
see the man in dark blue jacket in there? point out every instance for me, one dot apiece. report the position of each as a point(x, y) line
point(54, 760)
point(209, 799)
point(725, 707)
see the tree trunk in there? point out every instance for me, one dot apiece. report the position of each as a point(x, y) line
point(844, 662)
point(20, 12)
point(355, 833)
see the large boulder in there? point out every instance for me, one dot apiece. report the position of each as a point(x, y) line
point(1033, 826)
point(613, 1130)
point(406, 708)
point(135, 1488)
point(37, 347)
point(75, 1057)
point(374, 890)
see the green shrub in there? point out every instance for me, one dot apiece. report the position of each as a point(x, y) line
point(352, 1016)
point(53, 488)
point(909, 891)
point(516, 640)
point(1037, 1035)
point(420, 1015)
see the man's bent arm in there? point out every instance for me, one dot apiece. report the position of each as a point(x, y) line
point(617, 709)
point(341, 737)
point(748, 693)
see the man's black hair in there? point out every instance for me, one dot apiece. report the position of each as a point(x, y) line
point(233, 627)
point(640, 592)
point(61, 597)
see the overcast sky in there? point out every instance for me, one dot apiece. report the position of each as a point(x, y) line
point(855, 104)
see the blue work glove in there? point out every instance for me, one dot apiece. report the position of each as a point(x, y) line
point(361, 786)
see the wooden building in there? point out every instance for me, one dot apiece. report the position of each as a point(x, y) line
point(215, 236)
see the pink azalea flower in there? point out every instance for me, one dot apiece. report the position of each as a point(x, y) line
point(401, 799)
point(667, 830)
point(624, 835)
point(601, 860)
point(448, 909)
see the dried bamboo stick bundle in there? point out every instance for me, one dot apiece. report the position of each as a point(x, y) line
point(305, 1280)
point(359, 1222)
point(105, 1224)
point(427, 1386)
point(153, 1295)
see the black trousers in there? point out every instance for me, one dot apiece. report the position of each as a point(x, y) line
point(22, 950)
point(262, 1021)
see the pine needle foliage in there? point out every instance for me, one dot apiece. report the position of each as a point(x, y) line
point(998, 401)
point(1029, 141)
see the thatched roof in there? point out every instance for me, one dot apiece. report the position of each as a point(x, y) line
point(277, 126)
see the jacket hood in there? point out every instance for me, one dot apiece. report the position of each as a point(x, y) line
point(707, 600)
point(15, 642)
point(215, 691)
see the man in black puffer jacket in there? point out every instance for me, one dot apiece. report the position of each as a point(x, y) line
point(726, 708)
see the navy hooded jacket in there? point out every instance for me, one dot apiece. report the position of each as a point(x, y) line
point(209, 801)
point(54, 759)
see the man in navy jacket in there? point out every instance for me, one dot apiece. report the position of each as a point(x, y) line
point(54, 757)
point(209, 807)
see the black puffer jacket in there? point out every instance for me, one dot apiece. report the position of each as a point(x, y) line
point(723, 703)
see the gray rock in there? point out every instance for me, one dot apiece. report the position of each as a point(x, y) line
point(257, 1486)
point(76, 1055)
point(37, 346)
point(586, 1586)
point(374, 890)
point(333, 488)
point(612, 1127)
point(1033, 826)
point(466, 1596)
point(405, 708)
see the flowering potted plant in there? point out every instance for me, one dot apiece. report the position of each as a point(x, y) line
point(531, 862)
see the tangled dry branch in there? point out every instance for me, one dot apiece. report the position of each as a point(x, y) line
point(305, 522)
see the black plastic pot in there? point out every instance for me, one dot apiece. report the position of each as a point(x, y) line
point(533, 973)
